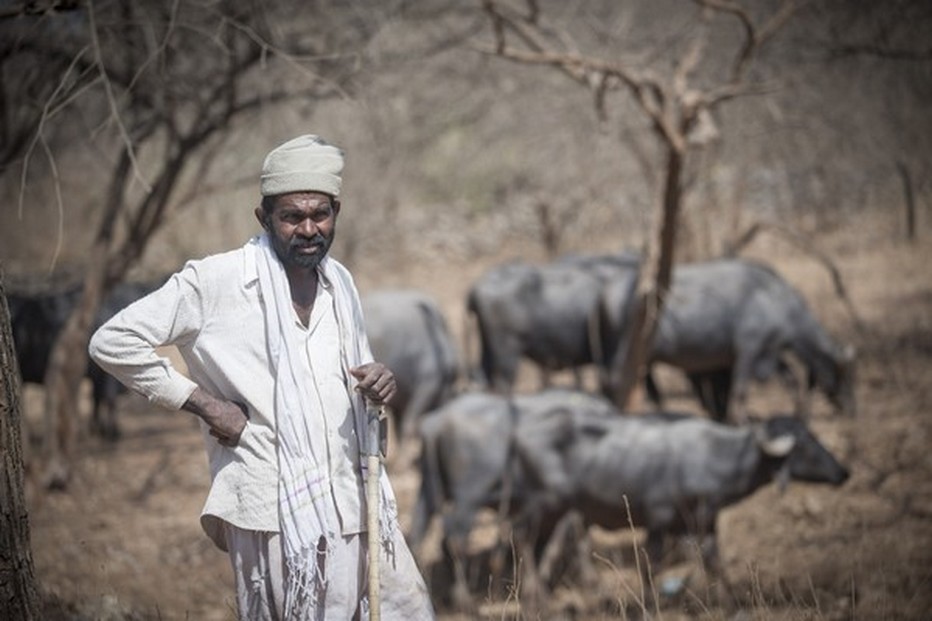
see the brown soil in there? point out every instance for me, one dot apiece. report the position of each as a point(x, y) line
point(123, 542)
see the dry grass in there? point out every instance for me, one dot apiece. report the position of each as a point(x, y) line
point(124, 541)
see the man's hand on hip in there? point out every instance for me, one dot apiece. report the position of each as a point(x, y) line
point(226, 420)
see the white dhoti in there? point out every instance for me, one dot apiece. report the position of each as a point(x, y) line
point(259, 574)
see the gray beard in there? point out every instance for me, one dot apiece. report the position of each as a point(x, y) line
point(303, 260)
point(290, 257)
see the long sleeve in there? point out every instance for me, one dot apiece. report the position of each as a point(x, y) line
point(213, 312)
point(126, 345)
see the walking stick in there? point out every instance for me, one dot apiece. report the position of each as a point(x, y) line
point(374, 464)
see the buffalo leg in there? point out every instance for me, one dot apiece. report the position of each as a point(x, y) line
point(104, 420)
point(570, 545)
point(649, 564)
point(795, 387)
point(457, 526)
point(653, 391)
point(713, 389)
point(738, 400)
point(711, 560)
point(453, 552)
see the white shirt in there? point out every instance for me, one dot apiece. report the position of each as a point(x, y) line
point(331, 405)
point(213, 313)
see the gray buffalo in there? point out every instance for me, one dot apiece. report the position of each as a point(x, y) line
point(669, 473)
point(727, 322)
point(469, 462)
point(541, 313)
point(408, 333)
point(540, 458)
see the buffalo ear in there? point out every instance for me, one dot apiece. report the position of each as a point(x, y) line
point(776, 447)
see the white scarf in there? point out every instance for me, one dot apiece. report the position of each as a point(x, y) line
point(307, 516)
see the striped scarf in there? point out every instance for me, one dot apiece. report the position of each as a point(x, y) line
point(307, 517)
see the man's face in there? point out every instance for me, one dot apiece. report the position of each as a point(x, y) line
point(301, 227)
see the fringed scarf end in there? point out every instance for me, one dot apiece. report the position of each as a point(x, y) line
point(306, 581)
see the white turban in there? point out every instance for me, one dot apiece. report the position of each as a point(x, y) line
point(303, 164)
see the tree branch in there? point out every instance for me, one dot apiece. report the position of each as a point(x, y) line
point(33, 8)
point(754, 36)
point(111, 99)
point(881, 51)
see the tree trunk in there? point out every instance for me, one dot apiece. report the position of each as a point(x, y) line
point(19, 598)
point(653, 284)
point(68, 360)
point(67, 368)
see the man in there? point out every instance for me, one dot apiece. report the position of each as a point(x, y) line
point(279, 366)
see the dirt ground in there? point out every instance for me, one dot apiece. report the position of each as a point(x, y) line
point(124, 542)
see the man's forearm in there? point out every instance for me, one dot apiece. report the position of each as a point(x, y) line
point(200, 403)
point(226, 419)
point(208, 407)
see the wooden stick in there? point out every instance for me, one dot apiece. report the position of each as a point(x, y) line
point(374, 465)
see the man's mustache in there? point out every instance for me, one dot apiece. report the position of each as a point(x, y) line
point(306, 242)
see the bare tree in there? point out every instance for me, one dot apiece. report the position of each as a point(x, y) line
point(679, 108)
point(160, 86)
point(19, 598)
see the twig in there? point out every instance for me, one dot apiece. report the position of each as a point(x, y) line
point(111, 99)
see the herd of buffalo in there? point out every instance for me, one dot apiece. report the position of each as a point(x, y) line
point(563, 456)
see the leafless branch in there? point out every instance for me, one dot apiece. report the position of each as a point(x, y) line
point(878, 50)
point(43, 117)
point(747, 25)
point(59, 203)
point(755, 36)
point(597, 74)
point(295, 61)
point(719, 95)
point(111, 99)
point(34, 8)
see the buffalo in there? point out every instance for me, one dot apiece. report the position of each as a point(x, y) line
point(725, 323)
point(543, 457)
point(542, 313)
point(469, 462)
point(669, 473)
point(408, 333)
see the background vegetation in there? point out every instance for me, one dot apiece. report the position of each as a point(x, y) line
point(458, 159)
point(450, 150)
